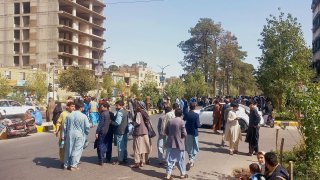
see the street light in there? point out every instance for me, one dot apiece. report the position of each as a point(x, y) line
point(98, 71)
point(162, 75)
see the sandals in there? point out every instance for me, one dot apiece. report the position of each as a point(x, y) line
point(184, 176)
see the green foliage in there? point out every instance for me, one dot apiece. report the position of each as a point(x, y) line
point(302, 168)
point(285, 58)
point(36, 83)
point(107, 85)
point(5, 88)
point(77, 80)
point(175, 89)
point(195, 84)
point(243, 79)
point(216, 54)
point(149, 88)
point(120, 85)
point(304, 104)
point(135, 90)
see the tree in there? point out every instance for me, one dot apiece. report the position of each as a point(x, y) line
point(77, 80)
point(195, 84)
point(175, 89)
point(242, 79)
point(5, 88)
point(107, 85)
point(113, 68)
point(149, 88)
point(121, 87)
point(36, 83)
point(230, 55)
point(201, 50)
point(135, 90)
point(285, 58)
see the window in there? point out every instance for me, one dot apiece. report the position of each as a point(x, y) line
point(14, 103)
point(4, 104)
point(16, 60)
point(17, 35)
point(25, 60)
point(209, 108)
point(16, 8)
point(22, 76)
point(8, 74)
point(16, 21)
point(16, 48)
point(26, 7)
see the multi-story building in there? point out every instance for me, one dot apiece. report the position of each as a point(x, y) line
point(143, 73)
point(36, 33)
point(316, 35)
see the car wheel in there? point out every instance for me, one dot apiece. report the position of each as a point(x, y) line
point(243, 126)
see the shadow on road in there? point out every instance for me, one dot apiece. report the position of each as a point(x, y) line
point(211, 175)
point(150, 173)
point(47, 162)
point(210, 143)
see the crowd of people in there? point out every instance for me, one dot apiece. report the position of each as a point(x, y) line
point(177, 131)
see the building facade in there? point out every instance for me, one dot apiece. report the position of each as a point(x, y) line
point(35, 33)
point(316, 35)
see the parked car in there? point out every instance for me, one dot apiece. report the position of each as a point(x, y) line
point(206, 116)
point(11, 108)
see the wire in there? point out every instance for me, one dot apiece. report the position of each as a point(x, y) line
point(133, 2)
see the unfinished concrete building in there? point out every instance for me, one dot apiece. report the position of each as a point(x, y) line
point(36, 33)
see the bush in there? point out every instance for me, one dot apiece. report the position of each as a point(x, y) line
point(302, 168)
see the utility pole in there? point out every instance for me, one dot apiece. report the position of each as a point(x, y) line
point(162, 76)
point(98, 71)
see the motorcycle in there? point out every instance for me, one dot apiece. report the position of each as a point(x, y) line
point(269, 120)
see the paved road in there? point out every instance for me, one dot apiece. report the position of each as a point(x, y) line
point(36, 157)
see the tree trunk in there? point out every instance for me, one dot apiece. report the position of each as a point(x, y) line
point(214, 86)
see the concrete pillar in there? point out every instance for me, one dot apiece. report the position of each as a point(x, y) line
point(74, 11)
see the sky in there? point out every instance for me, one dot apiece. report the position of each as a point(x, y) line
point(137, 30)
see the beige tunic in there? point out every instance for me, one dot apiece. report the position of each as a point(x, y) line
point(141, 143)
point(233, 131)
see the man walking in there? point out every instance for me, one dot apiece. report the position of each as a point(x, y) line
point(176, 133)
point(192, 125)
point(76, 128)
point(104, 134)
point(93, 108)
point(121, 132)
point(252, 136)
point(162, 137)
point(60, 122)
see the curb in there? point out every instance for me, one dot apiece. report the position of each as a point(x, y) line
point(286, 123)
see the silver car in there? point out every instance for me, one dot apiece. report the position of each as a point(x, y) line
point(206, 116)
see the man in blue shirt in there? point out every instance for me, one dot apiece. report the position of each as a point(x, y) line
point(192, 141)
point(121, 132)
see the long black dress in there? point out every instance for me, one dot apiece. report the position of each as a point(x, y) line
point(253, 131)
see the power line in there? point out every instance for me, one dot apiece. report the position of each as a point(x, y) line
point(133, 2)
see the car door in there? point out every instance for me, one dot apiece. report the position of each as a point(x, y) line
point(16, 107)
point(5, 107)
point(206, 115)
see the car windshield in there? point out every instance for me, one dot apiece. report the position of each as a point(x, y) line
point(208, 108)
point(4, 104)
point(13, 103)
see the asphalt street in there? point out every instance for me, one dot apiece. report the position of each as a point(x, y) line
point(36, 157)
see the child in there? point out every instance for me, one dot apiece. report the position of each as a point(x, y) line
point(260, 157)
point(256, 172)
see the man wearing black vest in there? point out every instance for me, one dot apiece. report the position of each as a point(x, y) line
point(104, 134)
point(121, 132)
